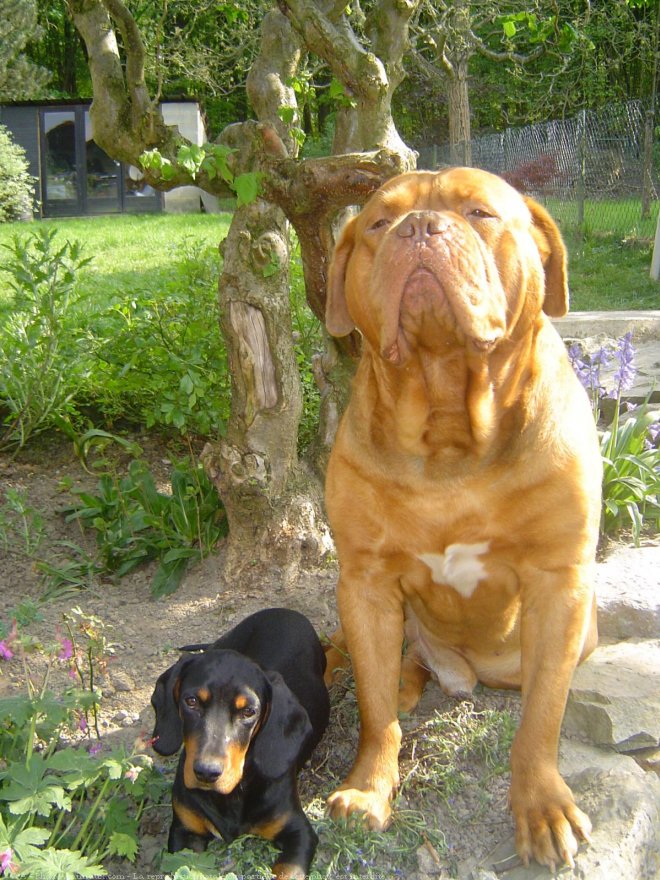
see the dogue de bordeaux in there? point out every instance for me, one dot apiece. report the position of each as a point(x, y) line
point(464, 486)
point(248, 712)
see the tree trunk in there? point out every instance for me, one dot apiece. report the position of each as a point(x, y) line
point(273, 504)
point(458, 103)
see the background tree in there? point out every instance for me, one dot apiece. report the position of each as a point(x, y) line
point(272, 499)
point(20, 78)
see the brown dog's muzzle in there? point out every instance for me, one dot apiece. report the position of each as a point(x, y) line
point(436, 284)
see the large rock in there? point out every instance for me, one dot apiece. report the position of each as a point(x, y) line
point(614, 700)
point(628, 594)
point(624, 806)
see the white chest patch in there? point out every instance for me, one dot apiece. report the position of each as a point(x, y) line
point(458, 567)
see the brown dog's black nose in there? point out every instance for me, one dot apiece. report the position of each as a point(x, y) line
point(419, 225)
point(208, 771)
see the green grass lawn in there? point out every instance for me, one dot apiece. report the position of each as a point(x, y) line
point(609, 274)
point(136, 252)
point(126, 250)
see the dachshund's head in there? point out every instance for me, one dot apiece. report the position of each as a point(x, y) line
point(230, 715)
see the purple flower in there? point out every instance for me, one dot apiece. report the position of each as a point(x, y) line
point(66, 652)
point(624, 376)
point(653, 436)
point(6, 652)
point(94, 749)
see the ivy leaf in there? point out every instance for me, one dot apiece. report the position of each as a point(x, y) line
point(61, 864)
point(123, 845)
point(28, 791)
point(509, 29)
point(23, 843)
point(188, 865)
point(246, 186)
point(114, 768)
point(287, 114)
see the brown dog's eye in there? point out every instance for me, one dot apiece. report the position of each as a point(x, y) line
point(379, 224)
point(481, 214)
point(191, 702)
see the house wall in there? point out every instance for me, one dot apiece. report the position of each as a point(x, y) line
point(22, 120)
point(23, 123)
point(188, 119)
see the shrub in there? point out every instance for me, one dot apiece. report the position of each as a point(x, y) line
point(44, 356)
point(16, 185)
point(629, 444)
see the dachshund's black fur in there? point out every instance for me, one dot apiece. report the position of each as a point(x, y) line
point(248, 711)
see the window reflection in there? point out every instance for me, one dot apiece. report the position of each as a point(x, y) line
point(102, 172)
point(60, 159)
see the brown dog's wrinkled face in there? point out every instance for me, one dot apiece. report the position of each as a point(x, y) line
point(438, 260)
point(220, 720)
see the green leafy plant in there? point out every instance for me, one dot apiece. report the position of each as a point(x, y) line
point(22, 528)
point(135, 523)
point(16, 184)
point(44, 361)
point(209, 159)
point(63, 810)
point(629, 444)
point(159, 356)
point(631, 472)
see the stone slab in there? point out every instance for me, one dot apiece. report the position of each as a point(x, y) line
point(628, 594)
point(614, 701)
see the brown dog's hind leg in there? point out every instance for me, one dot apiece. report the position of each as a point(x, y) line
point(413, 681)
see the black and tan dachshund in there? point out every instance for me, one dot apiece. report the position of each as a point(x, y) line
point(248, 711)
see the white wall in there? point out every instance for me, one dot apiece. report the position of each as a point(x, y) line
point(187, 199)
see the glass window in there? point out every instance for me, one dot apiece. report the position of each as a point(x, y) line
point(102, 172)
point(60, 159)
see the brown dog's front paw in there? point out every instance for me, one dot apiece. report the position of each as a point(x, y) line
point(374, 807)
point(549, 825)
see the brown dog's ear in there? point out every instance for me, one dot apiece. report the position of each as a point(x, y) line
point(553, 256)
point(168, 730)
point(337, 319)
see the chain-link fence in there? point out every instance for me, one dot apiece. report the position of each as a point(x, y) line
point(598, 171)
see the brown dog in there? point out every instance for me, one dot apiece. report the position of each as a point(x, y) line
point(464, 486)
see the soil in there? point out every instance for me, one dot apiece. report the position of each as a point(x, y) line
point(468, 809)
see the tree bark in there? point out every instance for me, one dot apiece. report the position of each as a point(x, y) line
point(273, 502)
point(458, 103)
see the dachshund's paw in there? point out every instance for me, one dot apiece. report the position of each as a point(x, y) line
point(374, 807)
point(549, 826)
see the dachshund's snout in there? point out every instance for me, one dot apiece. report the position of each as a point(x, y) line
point(208, 772)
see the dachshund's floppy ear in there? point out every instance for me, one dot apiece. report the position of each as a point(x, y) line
point(280, 743)
point(168, 730)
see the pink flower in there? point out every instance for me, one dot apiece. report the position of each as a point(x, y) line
point(133, 773)
point(6, 652)
point(6, 864)
point(143, 741)
point(94, 749)
point(67, 649)
point(82, 723)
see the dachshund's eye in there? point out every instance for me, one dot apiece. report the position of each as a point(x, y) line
point(191, 702)
point(248, 713)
